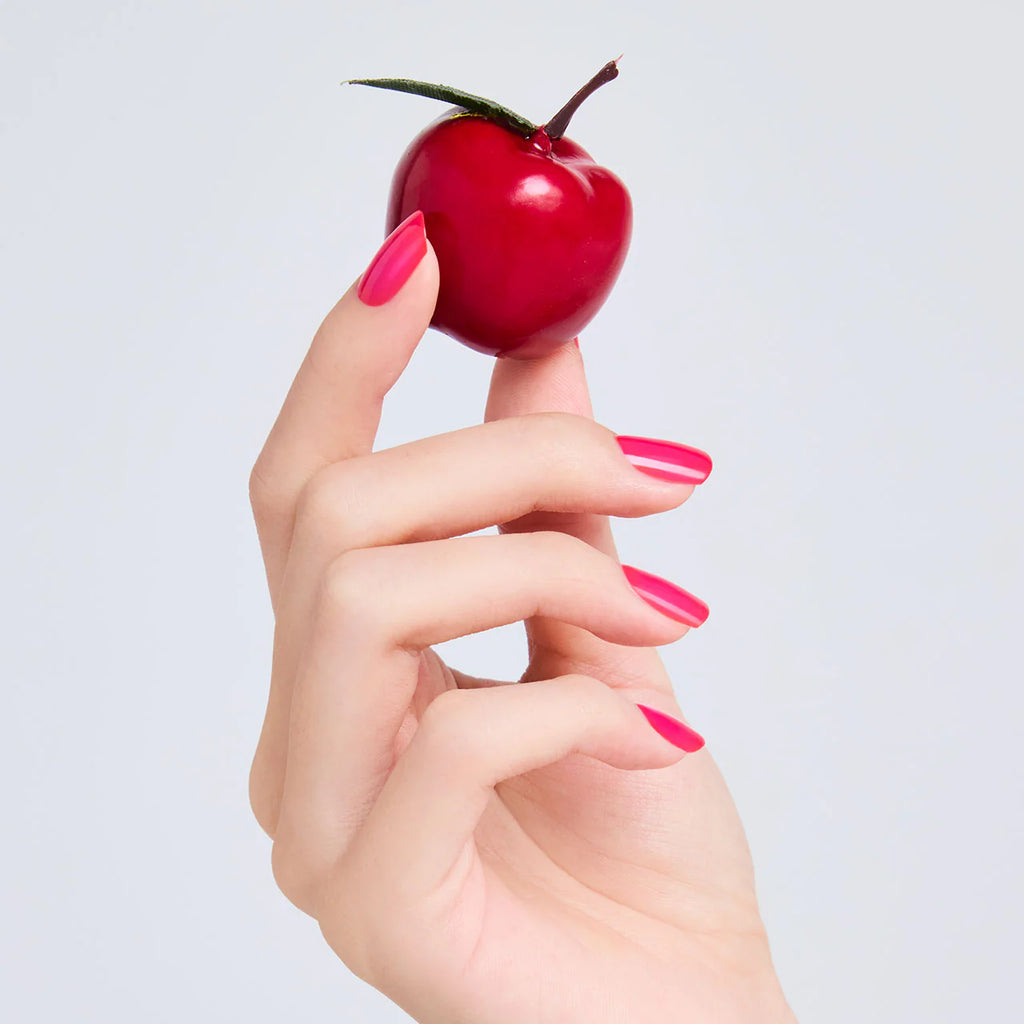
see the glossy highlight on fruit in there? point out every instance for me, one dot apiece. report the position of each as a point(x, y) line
point(529, 231)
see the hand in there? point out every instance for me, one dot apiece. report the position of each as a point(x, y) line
point(481, 852)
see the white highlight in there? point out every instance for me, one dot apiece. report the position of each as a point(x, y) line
point(664, 605)
point(683, 472)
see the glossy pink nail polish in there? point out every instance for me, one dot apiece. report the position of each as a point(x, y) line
point(666, 460)
point(677, 733)
point(669, 599)
point(394, 263)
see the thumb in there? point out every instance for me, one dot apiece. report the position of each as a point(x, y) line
point(551, 383)
point(557, 383)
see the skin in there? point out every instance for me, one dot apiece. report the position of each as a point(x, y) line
point(480, 852)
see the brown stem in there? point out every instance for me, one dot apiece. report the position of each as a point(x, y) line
point(555, 128)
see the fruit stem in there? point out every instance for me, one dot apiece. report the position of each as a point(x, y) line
point(555, 128)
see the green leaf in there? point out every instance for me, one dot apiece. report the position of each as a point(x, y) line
point(475, 104)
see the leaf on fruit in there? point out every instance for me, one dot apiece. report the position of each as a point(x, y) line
point(474, 104)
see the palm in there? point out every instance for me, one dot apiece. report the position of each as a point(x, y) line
point(612, 875)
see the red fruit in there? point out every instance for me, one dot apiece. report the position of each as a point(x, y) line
point(530, 233)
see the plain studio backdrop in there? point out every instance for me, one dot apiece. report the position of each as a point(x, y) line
point(823, 290)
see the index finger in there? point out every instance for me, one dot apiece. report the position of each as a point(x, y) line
point(333, 407)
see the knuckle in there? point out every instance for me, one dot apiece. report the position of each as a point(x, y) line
point(345, 580)
point(581, 685)
point(347, 921)
point(263, 800)
point(327, 509)
point(351, 590)
point(446, 728)
point(299, 869)
point(557, 433)
point(314, 500)
point(264, 493)
point(345, 934)
point(287, 865)
point(317, 506)
point(444, 713)
point(553, 421)
point(556, 546)
point(593, 704)
point(588, 692)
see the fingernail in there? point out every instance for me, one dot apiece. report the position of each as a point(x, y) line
point(666, 460)
point(669, 599)
point(395, 261)
point(576, 342)
point(677, 733)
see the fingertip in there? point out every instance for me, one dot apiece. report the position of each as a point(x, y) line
point(643, 747)
point(673, 729)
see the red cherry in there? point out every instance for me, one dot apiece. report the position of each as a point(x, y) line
point(530, 233)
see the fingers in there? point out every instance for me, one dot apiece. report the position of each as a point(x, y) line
point(333, 407)
point(422, 824)
point(416, 595)
point(438, 487)
point(469, 479)
point(554, 383)
point(379, 608)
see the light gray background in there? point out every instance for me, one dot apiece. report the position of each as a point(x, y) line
point(824, 290)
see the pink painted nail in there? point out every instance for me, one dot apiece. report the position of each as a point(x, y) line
point(669, 599)
point(395, 261)
point(676, 732)
point(666, 460)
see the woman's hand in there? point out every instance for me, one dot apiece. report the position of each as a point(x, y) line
point(482, 852)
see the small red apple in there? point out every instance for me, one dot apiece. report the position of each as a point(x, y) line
point(530, 233)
